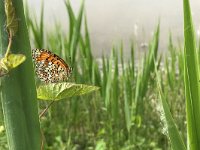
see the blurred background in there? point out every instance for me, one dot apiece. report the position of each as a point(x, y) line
point(113, 21)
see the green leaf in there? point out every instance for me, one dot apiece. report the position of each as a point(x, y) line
point(58, 91)
point(11, 20)
point(14, 60)
point(10, 62)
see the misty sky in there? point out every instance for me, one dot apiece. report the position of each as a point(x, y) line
point(111, 21)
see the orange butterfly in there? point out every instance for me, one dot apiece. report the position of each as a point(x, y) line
point(49, 67)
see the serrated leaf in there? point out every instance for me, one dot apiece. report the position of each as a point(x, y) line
point(58, 91)
point(11, 20)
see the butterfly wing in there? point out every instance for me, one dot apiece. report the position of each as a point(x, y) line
point(49, 67)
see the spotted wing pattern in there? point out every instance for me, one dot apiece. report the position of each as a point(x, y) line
point(49, 67)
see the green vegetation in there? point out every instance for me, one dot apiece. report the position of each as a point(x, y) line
point(141, 104)
point(18, 91)
point(191, 74)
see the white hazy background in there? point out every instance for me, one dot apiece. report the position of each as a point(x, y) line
point(113, 21)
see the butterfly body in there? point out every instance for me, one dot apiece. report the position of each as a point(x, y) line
point(49, 67)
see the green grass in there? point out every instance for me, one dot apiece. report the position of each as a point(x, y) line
point(140, 104)
point(191, 75)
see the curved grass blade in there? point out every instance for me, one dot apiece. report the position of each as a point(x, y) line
point(75, 30)
point(174, 136)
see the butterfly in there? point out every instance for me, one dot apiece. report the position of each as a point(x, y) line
point(49, 67)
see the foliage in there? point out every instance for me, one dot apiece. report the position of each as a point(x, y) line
point(140, 104)
point(58, 91)
point(191, 78)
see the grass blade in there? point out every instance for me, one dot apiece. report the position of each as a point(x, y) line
point(76, 34)
point(191, 75)
point(174, 136)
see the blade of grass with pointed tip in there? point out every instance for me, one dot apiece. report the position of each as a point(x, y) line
point(72, 20)
point(148, 68)
point(191, 75)
point(175, 138)
point(36, 28)
point(109, 81)
point(76, 32)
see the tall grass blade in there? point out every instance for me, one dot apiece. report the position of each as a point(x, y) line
point(191, 75)
point(148, 68)
point(18, 91)
point(72, 19)
point(36, 28)
point(115, 90)
point(76, 34)
point(174, 136)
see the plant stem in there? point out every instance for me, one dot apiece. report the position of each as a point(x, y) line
point(45, 110)
point(18, 93)
point(9, 44)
